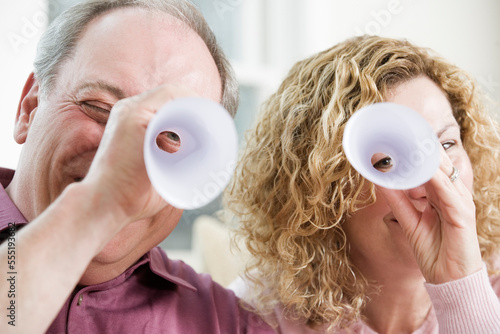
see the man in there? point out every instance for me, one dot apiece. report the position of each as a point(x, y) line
point(86, 262)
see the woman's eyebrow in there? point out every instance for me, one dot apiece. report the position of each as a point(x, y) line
point(446, 127)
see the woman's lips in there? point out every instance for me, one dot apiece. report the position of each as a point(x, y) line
point(391, 219)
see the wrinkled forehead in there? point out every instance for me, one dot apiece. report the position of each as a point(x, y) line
point(142, 49)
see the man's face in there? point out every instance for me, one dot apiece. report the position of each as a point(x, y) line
point(121, 54)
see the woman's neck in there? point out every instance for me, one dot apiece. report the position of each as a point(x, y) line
point(401, 304)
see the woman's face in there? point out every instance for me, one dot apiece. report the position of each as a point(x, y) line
point(375, 237)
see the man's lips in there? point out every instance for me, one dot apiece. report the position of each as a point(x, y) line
point(78, 164)
point(78, 170)
point(78, 175)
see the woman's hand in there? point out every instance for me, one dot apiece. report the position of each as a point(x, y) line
point(443, 236)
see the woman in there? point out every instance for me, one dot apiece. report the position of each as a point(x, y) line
point(331, 251)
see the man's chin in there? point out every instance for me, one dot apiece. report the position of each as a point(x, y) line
point(115, 253)
point(107, 265)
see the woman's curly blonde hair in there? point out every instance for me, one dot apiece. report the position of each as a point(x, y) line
point(293, 187)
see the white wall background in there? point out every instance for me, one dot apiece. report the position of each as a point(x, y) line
point(465, 32)
point(21, 24)
point(270, 35)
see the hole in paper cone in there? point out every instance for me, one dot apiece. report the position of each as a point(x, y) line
point(168, 141)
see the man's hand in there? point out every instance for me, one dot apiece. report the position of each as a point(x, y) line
point(118, 172)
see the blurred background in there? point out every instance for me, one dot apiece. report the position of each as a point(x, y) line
point(263, 39)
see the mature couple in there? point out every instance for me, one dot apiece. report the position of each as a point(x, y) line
point(331, 251)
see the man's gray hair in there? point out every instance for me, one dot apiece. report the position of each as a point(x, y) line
point(59, 41)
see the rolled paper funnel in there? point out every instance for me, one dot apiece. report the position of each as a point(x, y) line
point(202, 167)
point(401, 134)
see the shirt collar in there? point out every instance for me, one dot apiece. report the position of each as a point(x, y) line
point(9, 213)
point(159, 264)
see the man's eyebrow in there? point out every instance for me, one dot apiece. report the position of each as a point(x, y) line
point(103, 86)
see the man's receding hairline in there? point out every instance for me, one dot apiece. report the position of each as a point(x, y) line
point(183, 26)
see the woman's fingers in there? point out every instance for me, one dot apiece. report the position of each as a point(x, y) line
point(402, 208)
point(450, 197)
point(448, 176)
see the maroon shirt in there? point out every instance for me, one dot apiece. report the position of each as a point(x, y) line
point(155, 295)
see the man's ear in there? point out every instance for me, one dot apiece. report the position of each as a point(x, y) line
point(26, 109)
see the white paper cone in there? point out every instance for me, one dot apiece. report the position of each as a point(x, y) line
point(202, 167)
point(399, 132)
